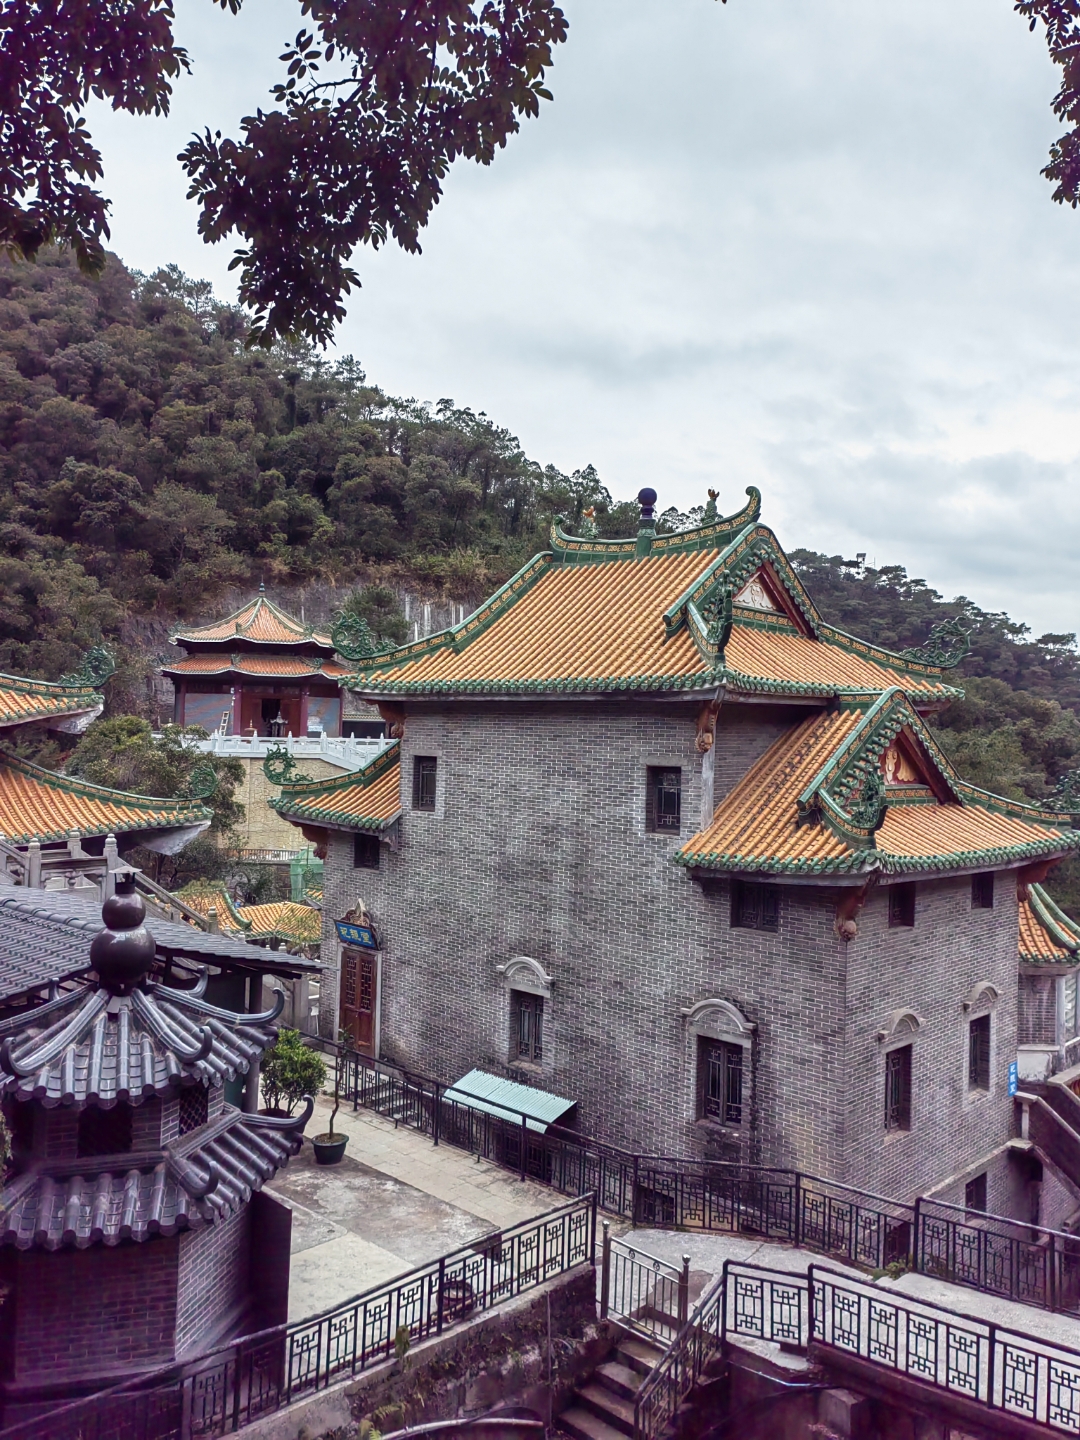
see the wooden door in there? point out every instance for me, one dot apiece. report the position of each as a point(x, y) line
point(359, 998)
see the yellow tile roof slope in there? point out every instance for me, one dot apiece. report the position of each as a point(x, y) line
point(38, 804)
point(24, 700)
point(202, 896)
point(259, 622)
point(790, 813)
point(597, 616)
point(283, 920)
point(1047, 935)
point(364, 799)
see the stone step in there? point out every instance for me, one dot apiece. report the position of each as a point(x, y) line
point(582, 1424)
point(637, 1353)
point(621, 1379)
point(613, 1409)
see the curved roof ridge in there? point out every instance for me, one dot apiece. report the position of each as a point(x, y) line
point(281, 628)
point(582, 548)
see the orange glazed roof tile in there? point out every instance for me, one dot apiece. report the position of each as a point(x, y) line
point(283, 920)
point(259, 622)
point(25, 700)
point(38, 804)
point(364, 799)
point(597, 616)
point(1047, 935)
point(791, 813)
point(288, 667)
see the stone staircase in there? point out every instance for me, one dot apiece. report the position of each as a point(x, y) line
point(602, 1407)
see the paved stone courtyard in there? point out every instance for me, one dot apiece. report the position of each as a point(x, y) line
point(394, 1202)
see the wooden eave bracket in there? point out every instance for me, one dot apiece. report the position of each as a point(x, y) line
point(393, 716)
point(848, 906)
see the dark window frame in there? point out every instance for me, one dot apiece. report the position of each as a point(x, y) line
point(979, 1037)
point(105, 1132)
point(425, 782)
point(721, 1081)
point(899, 1064)
point(663, 815)
point(193, 1108)
point(982, 890)
point(755, 906)
point(975, 1198)
point(527, 1028)
point(902, 906)
point(367, 850)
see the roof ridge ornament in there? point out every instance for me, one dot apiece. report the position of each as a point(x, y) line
point(350, 635)
point(279, 767)
point(647, 531)
point(98, 664)
point(947, 644)
point(123, 953)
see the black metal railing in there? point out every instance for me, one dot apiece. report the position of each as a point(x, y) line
point(641, 1290)
point(1028, 1263)
point(254, 1376)
point(962, 1356)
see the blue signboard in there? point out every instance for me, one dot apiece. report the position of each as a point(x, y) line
point(1014, 1079)
point(360, 935)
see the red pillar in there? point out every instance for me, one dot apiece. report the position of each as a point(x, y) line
point(303, 709)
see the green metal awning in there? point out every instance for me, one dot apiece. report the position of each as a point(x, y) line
point(507, 1100)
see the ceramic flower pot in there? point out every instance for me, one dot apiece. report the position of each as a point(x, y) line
point(329, 1149)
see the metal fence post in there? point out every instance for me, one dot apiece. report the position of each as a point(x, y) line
point(916, 1239)
point(684, 1291)
point(442, 1293)
point(524, 1143)
point(605, 1271)
point(634, 1194)
point(437, 1114)
point(1052, 1262)
point(798, 1207)
point(592, 1235)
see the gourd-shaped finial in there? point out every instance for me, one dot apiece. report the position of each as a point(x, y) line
point(123, 953)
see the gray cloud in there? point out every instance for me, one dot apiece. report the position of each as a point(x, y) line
point(801, 246)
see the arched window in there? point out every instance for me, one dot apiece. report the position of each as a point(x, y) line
point(722, 1039)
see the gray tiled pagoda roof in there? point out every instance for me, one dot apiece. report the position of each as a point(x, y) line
point(36, 952)
point(63, 915)
point(192, 1183)
point(88, 1047)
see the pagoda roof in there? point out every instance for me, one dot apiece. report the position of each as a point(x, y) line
point(57, 925)
point(364, 799)
point(286, 920)
point(23, 701)
point(258, 622)
point(91, 1047)
point(716, 607)
point(256, 667)
point(1047, 935)
point(818, 803)
point(84, 1202)
point(40, 804)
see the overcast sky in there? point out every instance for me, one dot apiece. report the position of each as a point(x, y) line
point(800, 244)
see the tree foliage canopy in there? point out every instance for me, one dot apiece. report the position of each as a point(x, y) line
point(378, 99)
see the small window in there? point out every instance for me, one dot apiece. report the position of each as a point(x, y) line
point(979, 1053)
point(898, 1089)
point(528, 1027)
point(104, 1132)
point(193, 1103)
point(664, 813)
point(975, 1194)
point(720, 1081)
point(901, 906)
point(982, 891)
point(755, 907)
point(365, 852)
point(423, 785)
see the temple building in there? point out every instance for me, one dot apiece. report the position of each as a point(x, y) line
point(135, 1229)
point(659, 841)
point(261, 680)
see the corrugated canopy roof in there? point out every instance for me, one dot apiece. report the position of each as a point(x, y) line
point(507, 1100)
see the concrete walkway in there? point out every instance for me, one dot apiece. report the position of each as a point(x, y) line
point(394, 1202)
point(708, 1253)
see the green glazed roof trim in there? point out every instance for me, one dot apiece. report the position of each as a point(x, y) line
point(579, 549)
point(364, 776)
point(1063, 929)
point(300, 801)
point(866, 861)
point(62, 698)
point(221, 897)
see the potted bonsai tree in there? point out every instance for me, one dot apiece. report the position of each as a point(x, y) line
point(329, 1147)
point(290, 1071)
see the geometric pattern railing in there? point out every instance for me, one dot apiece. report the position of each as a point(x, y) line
point(959, 1355)
point(1001, 1257)
point(258, 1374)
point(645, 1293)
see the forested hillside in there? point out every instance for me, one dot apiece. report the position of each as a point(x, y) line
point(149, 463)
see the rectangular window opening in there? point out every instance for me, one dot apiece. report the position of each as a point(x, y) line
point(363, 729)
point(720, 1081)
point(425, 768)
point(365, 852)
point(901, 906)
point(527, 1015)
point(104, 1132)
point(755, 907)
point(975, 1194)
point(664, 814)
point(982, 891)
point(898, 1089)
point(193, 1108)
point(979, 1053)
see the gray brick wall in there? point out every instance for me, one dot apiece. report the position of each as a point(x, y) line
point(1037, 1008)
point(538, 848)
